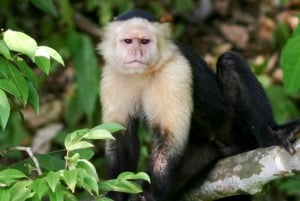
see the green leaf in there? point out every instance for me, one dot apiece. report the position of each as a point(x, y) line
point(105, 11)
point(79, 145)
point(283, 107)
point(8, 176)
point(20, 42)
point(110, 126)
point(33, 98)
point(21, 190)
point(46, 5)
point(53, 53)
point(133, 176)
point(4, 66)
point(75, 137)
point(28, 72)
point(98, 134)
point(40, 187)
point(17, 77)
point(290, 61)
point(42, 59)
point(4, 110)
point(13, 74)
point(52, 180)
point(88, 182)
point(84, 153)
point(58, 194)
point(10, 87)
point(5, 194)
point(123, 186)
point(4, 50)
point(67, 14)
point(88, 167)
point(50, 163)
point(86, 71)
point(70, 177)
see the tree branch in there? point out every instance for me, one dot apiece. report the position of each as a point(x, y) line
point(246, 173)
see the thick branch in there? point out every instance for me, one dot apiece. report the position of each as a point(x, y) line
point(247, 173)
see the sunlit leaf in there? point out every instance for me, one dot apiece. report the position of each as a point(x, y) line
point(20, 42)
point(58, 194)
point(53, 53)
point(133, 176)
point(79, 145)
point(98, 134)
point(21, 190)
point(42, 59)
point(88, 182)
point(40, 187)
point(70, 177)
point(52, 180)
point(8, 176)
point(124, 186)
point(75, 137)
point(110, 126)
point(5, 194)
point(88, 167)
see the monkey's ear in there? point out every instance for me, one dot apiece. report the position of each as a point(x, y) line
point(163, 30)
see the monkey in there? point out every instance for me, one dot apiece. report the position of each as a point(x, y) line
point(196, 116)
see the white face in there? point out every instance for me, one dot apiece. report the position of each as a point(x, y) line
point(136, 46)
point(132, 46)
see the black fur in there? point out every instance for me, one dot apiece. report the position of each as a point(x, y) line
point(139, 13)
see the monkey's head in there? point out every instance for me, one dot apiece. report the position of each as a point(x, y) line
point(134, 41)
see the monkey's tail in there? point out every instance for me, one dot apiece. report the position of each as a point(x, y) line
point(286, 133)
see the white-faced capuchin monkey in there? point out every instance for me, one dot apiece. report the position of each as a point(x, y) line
point(195, 115)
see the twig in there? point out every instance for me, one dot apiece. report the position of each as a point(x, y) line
point(28, 150)
point(87, 25)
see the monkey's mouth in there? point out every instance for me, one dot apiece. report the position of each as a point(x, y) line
point(135, 62)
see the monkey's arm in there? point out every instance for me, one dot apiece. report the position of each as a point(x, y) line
point(246, 173)
point(250, 106)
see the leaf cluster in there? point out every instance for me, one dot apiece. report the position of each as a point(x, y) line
point(79, 173)
point(18, 81)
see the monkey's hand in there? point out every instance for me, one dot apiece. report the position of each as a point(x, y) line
point(286, 134)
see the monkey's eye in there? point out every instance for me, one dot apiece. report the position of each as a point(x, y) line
point(128, 41)
point(145, 41)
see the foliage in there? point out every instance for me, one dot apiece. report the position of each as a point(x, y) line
point(290, 61)
point(79, 173)
point(16, 78)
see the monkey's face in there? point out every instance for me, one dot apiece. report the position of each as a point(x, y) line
point(136, 46)
point(133, 46)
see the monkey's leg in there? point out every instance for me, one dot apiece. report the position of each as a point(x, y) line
point(163, 162)
point(122, 155)
point(250, 105)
